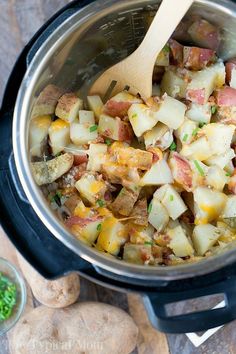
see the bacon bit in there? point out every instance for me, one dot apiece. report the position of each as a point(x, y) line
point(81, 169)
point(107, 196)
point(82, 222)
point(144, 255)
point(79, 159)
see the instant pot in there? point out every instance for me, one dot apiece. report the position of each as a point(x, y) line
point(74, 46)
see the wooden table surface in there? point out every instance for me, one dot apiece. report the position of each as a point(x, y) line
point(19, 19)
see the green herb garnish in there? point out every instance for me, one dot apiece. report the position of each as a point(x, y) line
point(93, 128)
point(201, 124)
point(185, 138)
point(100, 202)
point(195, 131)
point(150, 208)
point(228, 174)
point(7, 297)
point(199, 168)
point(173, 146)
point(148, 243)
point(108, 142)
point(213, 109)
point(99, 227)
point(171, 197)
point(166, 48)
point(56, 198)
point(134, 115)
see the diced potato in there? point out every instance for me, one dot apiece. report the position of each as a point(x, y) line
point(68, 107)
point(173, 84)
point(124, 202)
point(140, 213)
point(86, 230)
point(118, 105)
point(199, 172)
point(118, 174)
point(229, 212)
point(82, 134)
point(230, 68)
point(134, 158)
point(181, 171)
point(38, 132)
point(90, 188)
point(97, 156)
point(226, 96)
point(160, 136)
point(179, 242)
point(158, 215)
point(86, 117)
point(208, 204)
point(196, 58)
point(204, 82)
point(173, 202)
point(114, 128)
point(219, 137)
point(221, 160)
point(59, 134)
point(163, 57)
point(45, 172)
point(138, 254)
point(204, 237)
point(198, 150)
point(47, 101)
point(176, 52)
point(185, 133)
point(160, 192)
point(200, 113)
point(159, 173)
point(141, 118)
point(205, 34)
point(216, 178)
point(95, 104)
point(171, 112)
point(112, 236)
point(156, 90)
point(140, 234)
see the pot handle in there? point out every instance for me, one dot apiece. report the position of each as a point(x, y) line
point(195, 321)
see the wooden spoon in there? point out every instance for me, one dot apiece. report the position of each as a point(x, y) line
point(136, 70)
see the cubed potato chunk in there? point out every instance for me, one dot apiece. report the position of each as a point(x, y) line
point(68, 106)
point(229, 212)
point(204, 237)
point(176, 52)
point(97, 156)
point(47, 101)
point(173, 202)
point(112, 236)
point(134, 158)
point(204, 34)
point(141, 118)
point(86, 117)
point(181, 171)
point(82, 134)
point(159, 173)
point(186, 132)
point(230, 68)
point(208, 204)
point(124, 202)
point(179, 242)
point(196, 58)
point(173, 84)
point(138, 254)
point(163, 58)
point(114, 128)
point(216, 178)
point(158, 215)
point(226, 96)
point(171, 112)
point(140, 213)
point(59, 134)
point(38, 132)
point(221, 160)
point(197, 150)
point(160, 136)
point(96, 105)
point(119, 174)
point(219, 137)
point(85, 229)
point(90, 188)
point(204, 82)
point(118, 105)
point(200, 113)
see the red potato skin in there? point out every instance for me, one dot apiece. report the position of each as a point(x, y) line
point(82, 222)
point(205, 34)
point(226, 97)
point(79, 159)
point(125, 132)
point(196, 96)
point(176, 51)
point(195, 58)
point(116, 109)
point(229, 67)
point(183, 175)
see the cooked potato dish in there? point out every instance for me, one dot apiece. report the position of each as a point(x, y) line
point(151, 182)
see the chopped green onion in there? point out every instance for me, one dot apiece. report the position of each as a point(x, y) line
point(150, 208)
point(7, 297)
point(166, 48)
point(185, 138)
point(93, 128)
point(173, 146)
point(213, 109)
point(199, 168)
point(228, 174)
point(148, 243)
point(99, 227)
point(134, 115)
point(108, 142)
point(171, 197)
point(195, 131)
point(201, 124)
point(100, 202)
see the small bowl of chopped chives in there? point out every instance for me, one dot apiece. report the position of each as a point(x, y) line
point(12, 295)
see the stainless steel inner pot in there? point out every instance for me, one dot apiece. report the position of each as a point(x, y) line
point(89, 41)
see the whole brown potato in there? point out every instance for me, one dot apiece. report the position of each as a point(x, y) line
point(83, 328)
point(52, 293)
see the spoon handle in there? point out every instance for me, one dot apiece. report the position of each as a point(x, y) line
point(167, 18)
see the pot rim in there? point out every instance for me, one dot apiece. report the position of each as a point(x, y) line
point(83, 17)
